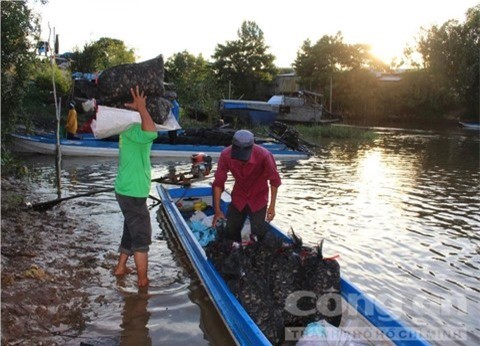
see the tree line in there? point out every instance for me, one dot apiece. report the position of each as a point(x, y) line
point(443, 81)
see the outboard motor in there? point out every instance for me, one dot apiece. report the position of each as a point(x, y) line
point(201, 165)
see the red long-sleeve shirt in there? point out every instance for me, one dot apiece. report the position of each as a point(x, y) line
point(251, 178)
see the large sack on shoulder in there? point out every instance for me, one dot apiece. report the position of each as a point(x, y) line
point(112, 121)
point(114, 83)
point(157, 106)
point(85, 89)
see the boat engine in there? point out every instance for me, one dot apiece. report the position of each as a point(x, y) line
point(201, 165)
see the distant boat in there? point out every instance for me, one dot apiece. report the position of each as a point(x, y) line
point(304, 107)
point(250, 112)
point(470, 125)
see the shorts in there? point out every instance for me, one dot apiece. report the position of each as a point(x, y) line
point(137, 228)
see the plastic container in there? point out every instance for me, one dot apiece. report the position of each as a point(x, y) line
point(199, 205)
point(187, 204)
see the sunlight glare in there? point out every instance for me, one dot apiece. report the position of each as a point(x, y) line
point(376, 182)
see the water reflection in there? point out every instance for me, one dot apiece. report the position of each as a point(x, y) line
point(404, 216)
point(135, 317)
point(402, 212)
point(210, 322)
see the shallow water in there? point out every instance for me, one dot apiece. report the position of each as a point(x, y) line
point(403, 213)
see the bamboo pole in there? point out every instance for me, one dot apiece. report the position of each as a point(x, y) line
point(58, 151)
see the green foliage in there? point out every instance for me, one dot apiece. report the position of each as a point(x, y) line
point(43, 81)
point(102, 54)
point(19, 29)
point(316, 133)
point(195, 82)
point(356, 92)
point(421, 94)
point(12, 166)
point(192, 123)
point(451, 57)
point(447, 80)
point(316, 64)
point(245, 63)
point(359, 95)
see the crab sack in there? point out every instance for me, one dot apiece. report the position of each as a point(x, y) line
point(114, 83)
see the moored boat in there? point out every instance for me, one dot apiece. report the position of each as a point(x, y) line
point(249, 112)
point(362, 318)
point(303, 107)
point(470, 125)
point(90, 146)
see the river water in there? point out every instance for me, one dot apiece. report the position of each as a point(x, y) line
point(402, 211)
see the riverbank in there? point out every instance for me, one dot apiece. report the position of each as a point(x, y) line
point(49, 259)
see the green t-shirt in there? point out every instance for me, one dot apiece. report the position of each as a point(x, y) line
point(134, 167)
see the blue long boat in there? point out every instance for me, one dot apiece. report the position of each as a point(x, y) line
point(90, 146)
point(362, 316)
point(470, 125)
point(253, 112)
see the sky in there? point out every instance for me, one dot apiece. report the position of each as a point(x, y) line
point(153, 27)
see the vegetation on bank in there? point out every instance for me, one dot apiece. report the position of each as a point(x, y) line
point(335, 132)
point(444, 80)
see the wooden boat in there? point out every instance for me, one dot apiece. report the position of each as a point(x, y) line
point(470, 125)
point(90, 146)
point(361, 315)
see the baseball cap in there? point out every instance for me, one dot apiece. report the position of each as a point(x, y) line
point(242, 145)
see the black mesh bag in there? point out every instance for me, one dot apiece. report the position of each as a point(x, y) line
point(114, 83)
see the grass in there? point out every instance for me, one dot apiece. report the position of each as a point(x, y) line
point(308, 132)
point(189, 123)
point(335, 132)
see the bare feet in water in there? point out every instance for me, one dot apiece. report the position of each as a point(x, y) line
point(122, 270)
point(143, 282)
point(141, 263)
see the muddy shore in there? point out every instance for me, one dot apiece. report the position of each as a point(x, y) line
point(48, 259)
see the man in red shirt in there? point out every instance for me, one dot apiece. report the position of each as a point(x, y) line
point(253, 167)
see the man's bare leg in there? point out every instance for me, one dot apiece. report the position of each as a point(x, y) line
point(121, 268)
point(141, 262)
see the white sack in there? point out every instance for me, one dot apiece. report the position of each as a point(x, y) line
point(112, 121)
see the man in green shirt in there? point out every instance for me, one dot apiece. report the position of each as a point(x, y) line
point(132, 187)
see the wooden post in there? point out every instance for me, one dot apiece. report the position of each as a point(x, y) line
point(58, 151)
point(331, 87)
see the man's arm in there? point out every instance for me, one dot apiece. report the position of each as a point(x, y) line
point(140, 105)
point(273, 201)
point(217, 193)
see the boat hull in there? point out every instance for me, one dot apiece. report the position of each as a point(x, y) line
point(470, 125)
point(252, 112)
point(94, 147)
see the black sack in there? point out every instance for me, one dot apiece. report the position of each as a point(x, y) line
point(285, 278)
point(84, 89)
point(114, 83)
point(322, 276)
point(253, 293)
